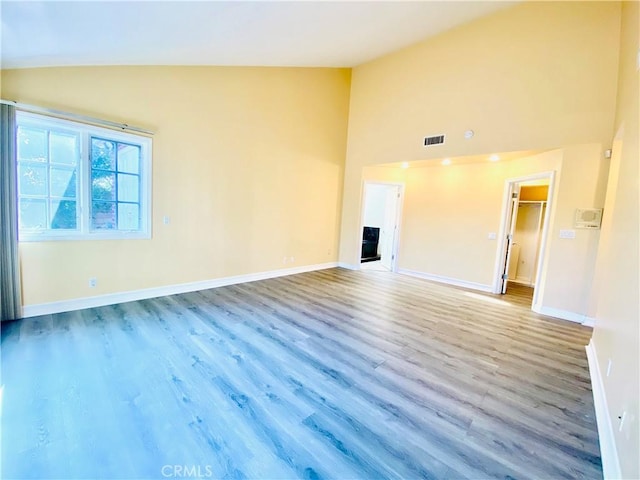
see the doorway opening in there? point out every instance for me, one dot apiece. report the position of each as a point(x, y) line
point(380, 225)
point(525, 219)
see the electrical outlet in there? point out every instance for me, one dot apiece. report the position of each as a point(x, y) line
point(166, 220)
point(292, 259)
point(93, 282)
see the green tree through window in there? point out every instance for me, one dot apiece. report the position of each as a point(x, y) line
point(57, 176)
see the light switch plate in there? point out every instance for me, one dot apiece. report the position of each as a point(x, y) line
point(571, 234)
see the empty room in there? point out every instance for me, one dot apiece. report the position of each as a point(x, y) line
point(308, 239)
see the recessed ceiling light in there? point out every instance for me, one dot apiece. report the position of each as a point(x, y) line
point(446, 161)
point(468, 134)
point(405, 165)
point(494, 158)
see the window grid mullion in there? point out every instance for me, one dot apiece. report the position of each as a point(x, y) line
point(116, 184)
point(85, 187)
point(58, 199)
point(48, 180)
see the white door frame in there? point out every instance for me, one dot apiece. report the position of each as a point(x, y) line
point(396, 233)
point(505, 224)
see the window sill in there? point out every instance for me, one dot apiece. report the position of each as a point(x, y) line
point(31, 238)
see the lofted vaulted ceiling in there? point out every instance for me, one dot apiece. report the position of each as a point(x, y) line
point(249, 33)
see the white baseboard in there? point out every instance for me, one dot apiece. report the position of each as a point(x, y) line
point(608, 450)
point(449, 281)
point(564, 315)
point(121, 297)
point(349, 266)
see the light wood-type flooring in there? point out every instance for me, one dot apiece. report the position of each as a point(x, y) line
point(330, 374)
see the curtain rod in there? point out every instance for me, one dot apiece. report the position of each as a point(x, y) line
point(74, 116)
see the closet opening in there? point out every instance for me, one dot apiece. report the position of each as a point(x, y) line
point(525, 219)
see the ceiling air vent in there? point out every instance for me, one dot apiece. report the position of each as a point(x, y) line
point(433, 140)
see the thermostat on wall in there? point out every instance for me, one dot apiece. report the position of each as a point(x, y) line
point(588, 218)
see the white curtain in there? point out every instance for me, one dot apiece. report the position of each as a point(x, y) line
point(10, 290)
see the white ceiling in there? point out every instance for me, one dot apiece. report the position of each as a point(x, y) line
point(258, 33)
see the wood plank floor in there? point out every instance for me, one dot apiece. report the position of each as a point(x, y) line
point(330, 374)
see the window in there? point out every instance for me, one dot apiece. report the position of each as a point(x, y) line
point(77, 181)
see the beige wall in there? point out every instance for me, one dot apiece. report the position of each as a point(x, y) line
point(569, 264)
point(616, 335)
point(247, 163)
point(450, 210)
point(536, 76)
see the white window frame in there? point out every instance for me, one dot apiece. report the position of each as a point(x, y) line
point(86, 132)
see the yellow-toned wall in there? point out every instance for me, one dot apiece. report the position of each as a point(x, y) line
point(385, 174)
point(616, 335)
point(568, 268)
point(449, 212)
point(247, 163)
point(536, 76)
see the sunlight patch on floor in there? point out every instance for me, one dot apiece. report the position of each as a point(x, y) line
point(484, 298)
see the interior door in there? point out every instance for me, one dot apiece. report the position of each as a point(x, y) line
point(515, 195)
point(389, 227)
